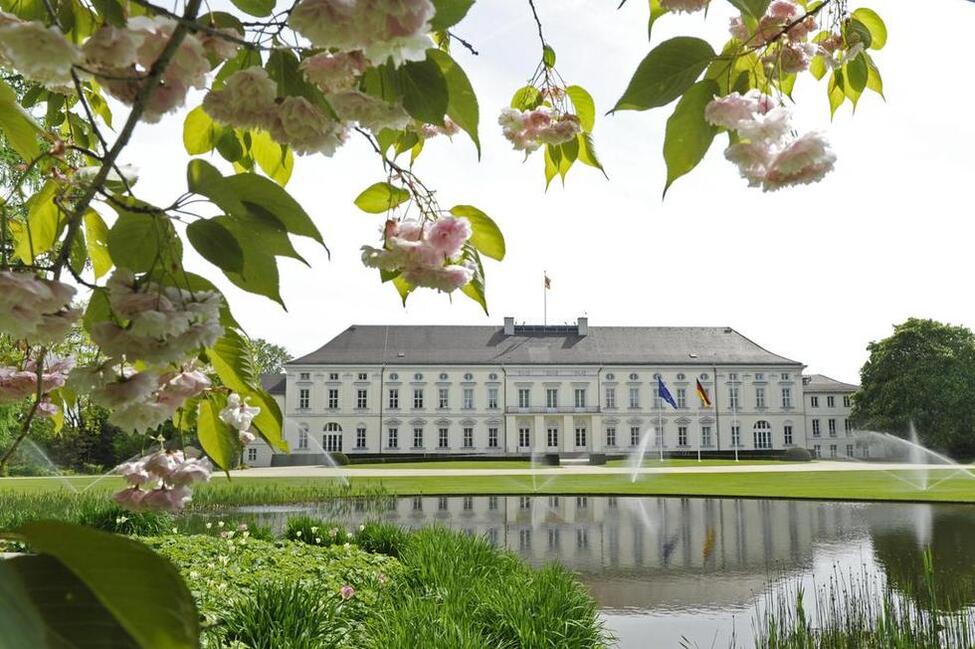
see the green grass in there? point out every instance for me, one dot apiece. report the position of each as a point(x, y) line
point(446, 464)
point(820, 485)
point(685, 462)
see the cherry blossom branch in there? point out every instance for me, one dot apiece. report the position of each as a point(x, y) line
point(192, 25)
point(424, 196)
point(25, 427)
point(787, 28)
point(538, 22)
point(464, 43)
point(138, 106)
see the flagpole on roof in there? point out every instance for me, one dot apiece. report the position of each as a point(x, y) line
point(544, 298)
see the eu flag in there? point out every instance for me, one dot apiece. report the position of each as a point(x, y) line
point(664, 393)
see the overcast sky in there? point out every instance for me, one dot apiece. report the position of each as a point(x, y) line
point(813, 273)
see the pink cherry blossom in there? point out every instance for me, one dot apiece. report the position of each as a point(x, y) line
point(130, 498)
point(805, 160)
point(370, 112)
point(245, 101)
point(738, 29)
point(40, 53)
point(238, 414)
point(334, 72)
point(134, 473)
point(246, 437)
point(34, 308)
point(166, 500)
point(190, 471)
point(306, 129)
point(112, 47)
point(448, 234)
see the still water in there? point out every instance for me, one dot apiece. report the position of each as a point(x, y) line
point(690, 572)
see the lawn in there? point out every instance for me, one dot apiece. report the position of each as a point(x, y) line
point(947, 486)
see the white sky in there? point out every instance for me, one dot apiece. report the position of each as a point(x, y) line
point(813, 273)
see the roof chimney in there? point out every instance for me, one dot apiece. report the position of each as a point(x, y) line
point(509, 326)
point(583, 326)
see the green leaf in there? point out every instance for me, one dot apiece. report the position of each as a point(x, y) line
point(584, 106)
point(17, 125)
point(111, 11)
point(474, 289)
point(689, 135)
point(874, 24)
point(856, 32)
point(462, 105)
point(43, 226)
point(98, 310)
point(856, 73)
point(817, 66)
point(274, 160)
point(403, 287)
point(656, 11)
point(834, 92)
point(229, 146)
point(526, 98)
point(259, 8)
point(199, 132)
point(665, 73)
point(425, 94)
point(20, 620)
point(754, 8)
point(874, 80)
point(548, 56)
point(587, 153)
point(487, 237)
point(140, 240)
point(117, 571)
point(449, 13)
point(381, 197)
point(553, 157)
point(216, 244)
point(219, 441)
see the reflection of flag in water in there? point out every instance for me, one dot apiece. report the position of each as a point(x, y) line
point(709, 538)
point(702, 394)
point(669, 547)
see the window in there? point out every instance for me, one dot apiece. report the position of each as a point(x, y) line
point(468, 398)
point(785, 376)
point(759, 376)
point(392, 441)
point(363, 376)
point(304, 376)
point(492, 437)
point(813, 402)
point(634, 376)
point(580, 396)
point(682, 436)
point(847, 426)
point(831, 426)
point(580, 436)
point(610, 397)
point(866, 451)
point(442, 398)
point(417, 377)
point(818, 451)
point(468, 377)
point(658, 437)
point(361, 398)
point(492, 503)
point(680, 376)
point(849, 450)
point(417, 398)
point(443, 438)
point(732, 376)
point(582, 502)
point(417, 437)
point(443, 376)
point(394, 398)
point(554, 538)
point(736, 435)
point(759, 397)
point(733, 397)
point(492, 376)
point(525, 540)
point(332, 441)
point(252, 455)
point(553, 437)
point(611, 436)
point(787, 434)
point(552, 398)
point(815, 425)
point(492, 399)
point(333, 398)
point(706, 436)
point(553, 502)
point(524, 397)
point(634, 435)
point(582, 538)
point(333, 376)
point(442, 504)
point(417, 504)
point(524, 437)
point(468, 437)
point(681, 398)
point(303, 437)
point(360, 437)
point(468, 503)
point(786, 397)
point(830, 401)
point(846, 401)
point(763, 434)
point(634, 397)
point(394, 376)
point(832, 450)
point(304, 398)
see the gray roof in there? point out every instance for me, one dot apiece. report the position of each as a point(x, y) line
point(274, 383)
point(464, 345)
point(822, 383)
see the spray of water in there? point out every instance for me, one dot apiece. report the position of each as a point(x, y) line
point(918, 454)
point(636, 457)
point(329, 461)
point(35, 454)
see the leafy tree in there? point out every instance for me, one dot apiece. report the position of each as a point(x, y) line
point(924, 373)
point(267, 357)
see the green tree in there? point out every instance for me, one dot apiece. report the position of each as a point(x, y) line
point(924, 373)
point(267, 357)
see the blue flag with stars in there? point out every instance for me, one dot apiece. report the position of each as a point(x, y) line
point(664, 393)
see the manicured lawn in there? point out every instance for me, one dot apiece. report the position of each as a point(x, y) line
point(655, 462)
point(826, 485)
point(449, 464)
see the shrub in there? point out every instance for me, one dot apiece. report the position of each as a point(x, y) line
point(339, 458)
point(315, 531)
point(797, 454)
point(382, 538)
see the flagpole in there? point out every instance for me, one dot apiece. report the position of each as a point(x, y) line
point(734, 418)
point(659, 402)
point(544, 298)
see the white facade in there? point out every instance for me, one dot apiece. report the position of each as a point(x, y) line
point(524, 409)
point(829, 429)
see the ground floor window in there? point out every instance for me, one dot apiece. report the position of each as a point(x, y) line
point(332, 442)
point(468, 437)
point(682, 436)
point(658, 437)
point(736, 435)
point(492, 437)
point(818, 450)
point(524, 539)
point(580, 436)
point(443, 438)
point(303, 438)
point(787, 434)
point(832, 450)
point(524, 437)
point(634, 436)
point(392, 440)
point(706, 436)
point(849, 450)
point(553, 437)
point(360, 437)
point(252, 455)
point(417, 437)
point(866, 451)
point(611, 436)
point(763, 434)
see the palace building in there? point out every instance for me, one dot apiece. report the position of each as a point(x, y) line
point(572, 390)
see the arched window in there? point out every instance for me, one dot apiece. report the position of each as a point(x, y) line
point(332, 439)
point(763, 434)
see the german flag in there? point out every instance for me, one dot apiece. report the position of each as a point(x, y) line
point(702, 394)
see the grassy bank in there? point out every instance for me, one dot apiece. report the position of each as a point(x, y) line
point(946, 486)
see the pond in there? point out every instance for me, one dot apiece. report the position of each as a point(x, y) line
point(691, 570)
